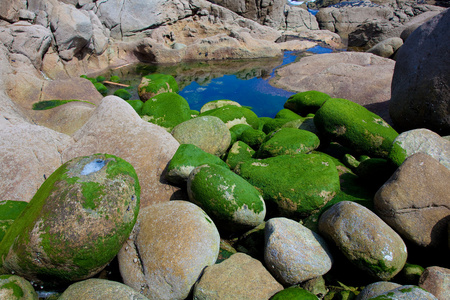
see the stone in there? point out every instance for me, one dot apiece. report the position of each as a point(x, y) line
point(154, 84)
point(169, 247)
point(34, 153)
point(186, 159)
point(294, 253)
point(365, 239)
point(363, 78)
point(238, 153)
point(98, 289)
point(232, 115)
point(13, 287)
point(9, 10)
point(417, 21)
point(116, 128)
point(298, 19)
point(387, 48)
point(253, 137)
point(421, 81)
point(420, 140)
point(436, 280)
point(414, 201)
point(238, 277)
point(233, 203)
point(305, 103)
point(9, 211)
point(209, 133)
point(76, 222)
point(294, 292)
point(376, 288)
point(288, 141)
point(353, 126)
point(216, 104)
point(405, 292)
point(294, 184)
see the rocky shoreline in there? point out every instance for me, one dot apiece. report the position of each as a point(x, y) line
point(343, 195)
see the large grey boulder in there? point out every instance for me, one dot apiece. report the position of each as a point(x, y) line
point(421, 82)
point(9, 10)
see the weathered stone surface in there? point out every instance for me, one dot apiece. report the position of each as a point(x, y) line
point(406, 292)
point(364, 239)
point(154, 84)
point(294, 253)
point(417, 21)
point(239, 152)
point(13, 287)
point(421, 81)
point(98, 289)
point(232, 115)
point(436, 280)
point(420, 140)
point(76, 222)
point(238, 277)
point(116, 128)
point(170, 246)
point(209, 133)
point(415, 201)
point(217, 103)
point(386, 48)
point(9, 10)
point(363, 78)
point(376, 288)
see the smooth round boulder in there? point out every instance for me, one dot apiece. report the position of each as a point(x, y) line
point(307, 102)
point(154, 84)
point(168, 249)
point(209, 133)
point(294, 253)
point(216, 104)
point(232, 202)
point(253, 137)
point(375, 289)
point(386, 48)
point(436, 280)
point(76, 223)
point(232, 115)
point(13, 287)
point(405, 292)
point(239, 152)
point(99, 289)
point(365, 239)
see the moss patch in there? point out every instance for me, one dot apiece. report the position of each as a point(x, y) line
point(48, 104)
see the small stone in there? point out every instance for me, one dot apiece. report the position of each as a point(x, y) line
point(436, 280)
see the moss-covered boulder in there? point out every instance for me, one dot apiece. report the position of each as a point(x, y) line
point(306, 102)
point(136, 105)
point(186, 159)
point(217, 103)
point(287, 114)
point(239, 152)
point(274, 124)
point(288, 141)
point(13, 287)
point(101, 88)
point(209, 133)
point(76, 223)
point(238, 129)
point(9, 211)
point(232, 203)
point(253, 137)
point(296, 184)
point(294, 293)
point(353, 126)
point(232, 115)
point(154, 84)
point(166, 110)
point(123, 93)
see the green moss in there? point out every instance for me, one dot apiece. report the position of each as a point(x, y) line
point(123, 93)
point(137, 105)
point(92, 193)
point(17, 290)
point(232, 115)
point(406, 290)
point(154, 84)
point(115, 79)
point(101, 88)
point(287, 114)
point(294, 293)
point(100, 78)
point(93, 80)
point(307, 102)
point(48, 104)
point(397, 155)
point(378, 268)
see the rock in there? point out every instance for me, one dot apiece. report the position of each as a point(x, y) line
point(9, 10)
point(170, 246)
point(417, 21)
point(414, 201)
point(98, 289)
point(232, 115)
point(186, 159)
point(421, 81)
point(288, 141)
point(233, 203)
point(363, 78)
point(293, 253)
point(355, 127)
point(296, 184)
point(298, 19)
point(154, 84)
point(294, 292)
point(253, 137)
point(166, 110)
point(406, 292)
point(216, 104)
point(9, 211)
point(76, 223)
point(386, 48)
point(100, 35)
point(436, 280)
point(13, 287)
point(238, 277)
point(239, 152)
point(116, 128)
point(288, 114)
point(375, 289)
point(306, 102)
point(420, 141)
point(33, 152)
point(209, 133)
point(364, 239)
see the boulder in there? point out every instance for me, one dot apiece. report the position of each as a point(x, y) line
point(305, 103)
point(386, 48)
point(76, 222)
point(154, 84)
point(406, 292)
point(414, 201)
point(116, 128)
point(252, 137)
point(295, 184)
point(13, 287)
point(209, 133)
point(239, 152)
point(238, 277)
point(417, 21)
point(232, 115)
point(353, 126)
point(376, 288)
point(421, 81)
point(168, 249)
point(436, 280)
point(9, 211)
point(363, 78)
point(216, 104)
point(365, 239)
point(233, 203)
point(294, 253)
point(98, 289)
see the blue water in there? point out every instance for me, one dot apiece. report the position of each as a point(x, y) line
point(264, 99)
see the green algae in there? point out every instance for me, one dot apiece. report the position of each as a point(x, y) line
point(17, 290)
point(49, 104)
point(294, 293)
point(123, 93)
point(307, 102)
point(398, 154)
point(233, 115)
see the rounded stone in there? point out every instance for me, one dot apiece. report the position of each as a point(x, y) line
point(232, 115)
point(216, 104)
point(306, 102)
point(209, 133)
point(154, 84)
point(294, 253)
point(375, 289)
point(168, 249)
point(239, 152)
point(13, 287)
point(405, 292)
point(364, 239)
point(436, 280)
